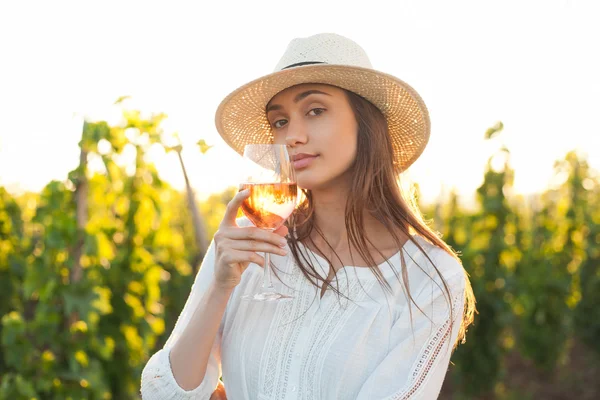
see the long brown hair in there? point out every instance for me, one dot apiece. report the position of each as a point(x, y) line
point(375, 188)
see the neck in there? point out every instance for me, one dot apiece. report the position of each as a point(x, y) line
point(329, 209)
point(329, 214)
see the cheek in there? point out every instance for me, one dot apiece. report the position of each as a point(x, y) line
point(343, 144)
point(339, 153)
point(278, 138)
point(343, 153)
point(337, 132)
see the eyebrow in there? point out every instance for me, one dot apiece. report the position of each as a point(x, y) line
point(298, 97)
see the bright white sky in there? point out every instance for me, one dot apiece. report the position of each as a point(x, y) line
point(531, 64)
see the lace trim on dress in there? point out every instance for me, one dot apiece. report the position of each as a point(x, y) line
point(430, 352)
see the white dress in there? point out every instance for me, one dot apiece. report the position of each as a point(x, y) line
point(329, 348)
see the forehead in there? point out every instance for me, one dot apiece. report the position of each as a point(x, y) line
point(289, 93)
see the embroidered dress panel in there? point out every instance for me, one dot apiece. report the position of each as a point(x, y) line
point(376, 345)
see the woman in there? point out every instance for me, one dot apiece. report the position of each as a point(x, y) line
point(379, 300)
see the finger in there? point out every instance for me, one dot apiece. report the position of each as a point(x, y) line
point(253, 233)
point(233, 207)
point(282, 231)
point(257, 246)
point(239, 256)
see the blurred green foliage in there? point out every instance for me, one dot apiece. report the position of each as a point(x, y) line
point(534, 264)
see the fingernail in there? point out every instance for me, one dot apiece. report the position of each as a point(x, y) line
point(282, 242)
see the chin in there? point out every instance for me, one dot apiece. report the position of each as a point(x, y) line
point(311, 183)
point(307, 182)
point(311, 180)
point(302, 184)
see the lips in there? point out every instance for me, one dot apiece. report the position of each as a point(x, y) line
point(303, 160)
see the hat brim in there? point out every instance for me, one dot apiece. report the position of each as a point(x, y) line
point(241, 117)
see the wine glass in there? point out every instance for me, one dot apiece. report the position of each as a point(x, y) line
point(271, 180)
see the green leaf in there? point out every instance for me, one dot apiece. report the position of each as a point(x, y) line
point(80, 300)
point(494, 130)
point(176, 148)
point(203, 146)
point(121, 99)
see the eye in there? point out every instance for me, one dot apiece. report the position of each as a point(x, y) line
point(316, 111)
point(279, 123)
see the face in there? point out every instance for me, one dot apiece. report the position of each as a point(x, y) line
point(317, 124)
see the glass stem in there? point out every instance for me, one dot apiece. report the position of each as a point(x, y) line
point(267, 284)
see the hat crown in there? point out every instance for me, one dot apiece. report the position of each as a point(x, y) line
point(328, 48)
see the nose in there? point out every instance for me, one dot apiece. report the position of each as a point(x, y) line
point(296, 134)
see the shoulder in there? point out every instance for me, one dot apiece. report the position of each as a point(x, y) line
point(438, 283)
point(436, 263)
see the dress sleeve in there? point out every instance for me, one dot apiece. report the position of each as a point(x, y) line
point(419, 354)
point(158, 382)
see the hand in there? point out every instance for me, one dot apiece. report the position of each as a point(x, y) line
point(236, 247)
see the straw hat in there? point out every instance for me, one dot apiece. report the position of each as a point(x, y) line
point(334, 60)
